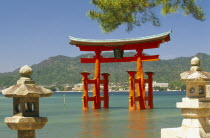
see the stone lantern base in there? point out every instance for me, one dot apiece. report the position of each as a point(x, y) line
point(184, 132)
point(26, 123)
point(26, 134)
point(26, 126)
point(196, 124)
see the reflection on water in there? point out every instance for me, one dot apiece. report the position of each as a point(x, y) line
point(99, 123)
point(138, 124)
point(94, 123)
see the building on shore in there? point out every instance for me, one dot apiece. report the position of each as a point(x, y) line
point(155, 85)
point(68, 88)
point(115, 87)
point(78, 87)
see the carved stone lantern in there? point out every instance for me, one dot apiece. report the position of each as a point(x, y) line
point(26, 96)
point(195, 107)
point(195, 80)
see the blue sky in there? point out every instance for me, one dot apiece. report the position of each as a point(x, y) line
point(32, 31)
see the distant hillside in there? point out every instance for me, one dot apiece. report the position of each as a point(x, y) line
point(66, 70)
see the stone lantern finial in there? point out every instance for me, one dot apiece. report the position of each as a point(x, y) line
point(26, 96)
point(26, 71)
point(195, 62)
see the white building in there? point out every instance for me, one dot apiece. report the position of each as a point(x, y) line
point(155, 84)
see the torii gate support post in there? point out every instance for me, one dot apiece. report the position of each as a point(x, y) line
point(96, 91)
point(85, 90)
point(132, 103)
point(150, 90)
point(106, 94)
point(140, 88)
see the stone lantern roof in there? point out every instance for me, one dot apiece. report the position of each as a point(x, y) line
point(26, 87)
point(195, 73)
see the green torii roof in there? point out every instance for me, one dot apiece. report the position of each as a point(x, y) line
point(117, 42)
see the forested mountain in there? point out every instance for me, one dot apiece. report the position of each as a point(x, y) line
point(66, 70)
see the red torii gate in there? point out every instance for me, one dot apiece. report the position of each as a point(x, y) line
point(137, 92)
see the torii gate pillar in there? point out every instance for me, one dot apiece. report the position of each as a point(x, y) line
point(140, 75)
point(96, 91)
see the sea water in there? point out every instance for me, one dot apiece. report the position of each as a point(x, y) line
point(67, 120)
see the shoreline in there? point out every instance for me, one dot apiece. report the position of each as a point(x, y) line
point(114, 91)
point(109, 91)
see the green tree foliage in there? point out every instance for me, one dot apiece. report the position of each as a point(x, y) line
point(56, 88)
point(113, 13)
point(8, 79)
point(52, 88)
point(177, 85)
point(158, 88)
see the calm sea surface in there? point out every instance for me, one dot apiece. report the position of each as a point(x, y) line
point(69, 121)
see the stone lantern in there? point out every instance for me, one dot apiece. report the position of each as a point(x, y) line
point(195, 107)
point(26, 96)
point(195, 80)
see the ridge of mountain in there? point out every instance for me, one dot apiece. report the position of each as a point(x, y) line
point(66, 70)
